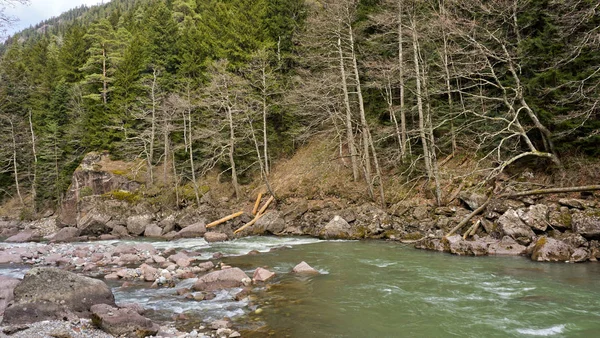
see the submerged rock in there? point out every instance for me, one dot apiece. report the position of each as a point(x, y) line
point(51, 293)
point(262, 275)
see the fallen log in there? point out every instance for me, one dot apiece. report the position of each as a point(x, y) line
point(551, 191)
point(264, 208)
point(224, 219)
point(256, 204)
point(251, 223)
point(469, 216)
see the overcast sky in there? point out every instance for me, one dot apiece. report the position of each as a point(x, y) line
point(39, 10)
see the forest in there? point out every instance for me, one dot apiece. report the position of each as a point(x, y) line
point(188, 87)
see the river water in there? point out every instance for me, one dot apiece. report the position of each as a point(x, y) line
point(379, 289)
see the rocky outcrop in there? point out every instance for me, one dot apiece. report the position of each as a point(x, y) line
point(50, 293)
point(337, 228)
point(507, 247)
point(94, 223)
point(123, 322)
point(536, 217)
point(587, 223)
point(136, 225)
point(510, 224)
point(222, 279)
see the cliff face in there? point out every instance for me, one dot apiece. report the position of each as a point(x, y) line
point(93, 178)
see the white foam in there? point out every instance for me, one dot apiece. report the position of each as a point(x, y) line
point(543, 332)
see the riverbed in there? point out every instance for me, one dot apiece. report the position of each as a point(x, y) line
point(384, 289)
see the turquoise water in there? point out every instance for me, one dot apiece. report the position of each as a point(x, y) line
point(376, 289)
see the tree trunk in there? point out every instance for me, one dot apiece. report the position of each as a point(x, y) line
point(349, 130)
point(15, 166)
point(104, 79)
point(404, 147)
point(35, 164)
point(265, 111)
point(234, 179)
point(422, 122)
point(153, 125)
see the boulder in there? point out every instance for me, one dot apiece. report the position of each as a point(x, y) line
point(119, 231)
point(304, 268)
point(472, 200)
point(271, 223)
point(295, 211)
point(551, 250)
point(191, 231)
point(136, 225)
point(222, 279)
point(510, 224)
point(67, 234)
point(536, 216)
point(94, 224)
point(587, 223)
point(560, 218)
point(153, 230)
point(54, 294)
point(455, 244)
point(181, 259)
point(262, 275)
point(124, 322)
point(337, 228)
point(212, 236)
point(507, 247)
point(580, 255)
point(7, 286)
point(167, 224)
point(6, 257)
point(572, 203)
point(24, 236)
point(430, 243)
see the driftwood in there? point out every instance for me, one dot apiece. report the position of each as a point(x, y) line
point(472, 230)
point(224, 219)
point(260, 214)
point(256, 204)
point(471, 215)
point(551, 191)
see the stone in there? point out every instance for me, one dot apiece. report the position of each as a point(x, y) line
point(587, 223)
point(271, 223)
point(191, 231)
point(67, 234)
point(421, 213)
point(337, 228)
point(507, 247)
point(262, 275)
point(23, 236)
point(430, 243)
point(136, 225)
point(221, 279)
point(212, 237)
point(167, 224)
point(304, 268)
point(572, 203)
point(148, 272)
point(220, 324)
point(153, 230)
point(122, 322)
point(510, 224)
point(120, 231)
point(560, 218)
point(472, 200)
point(551, 250)
point(580, 255)
point(536, 217)
point(181, 259)
point(55, 294)
point(7, 286)
point(6, 257)
point(205, 266)
point(94, 224)
point(455, 244)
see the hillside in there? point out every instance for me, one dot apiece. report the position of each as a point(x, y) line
point(394, 98)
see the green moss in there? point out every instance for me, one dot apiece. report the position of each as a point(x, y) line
point(85, 192)
point(413, 236)
point(122, 195)
point(120, 172)
point(565, 219)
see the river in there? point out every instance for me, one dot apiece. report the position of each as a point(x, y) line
point(380, 289)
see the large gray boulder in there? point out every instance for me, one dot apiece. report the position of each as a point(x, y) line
point(54, 294)
point(507, 247)
point(94, 223)
point(548, 249)
point(67, 234)
point(222, 279)
point(587, 223)
point(510, 224)
point(271, 223)
point(123, 322)
point(455, 244)
point(24, 236)
point(536, 217)
point(213, 236)
point(337, 228)
point(192, 231)
point(472, 199)
point(153, 230)
point(7, 286)
point(136, 225)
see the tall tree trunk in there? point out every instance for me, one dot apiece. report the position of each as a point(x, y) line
point(234, 179)
point(104, 79)
point(349, 130)
point(264, 116)
point(404, 148)
point(419, 92)
point(15, 166)
point(446, 62)
point(153, 125)
point(35, 164)
point(166, 152)
point(191, 149)
point(363, 119)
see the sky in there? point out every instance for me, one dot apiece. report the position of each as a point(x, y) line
point(39, 10)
